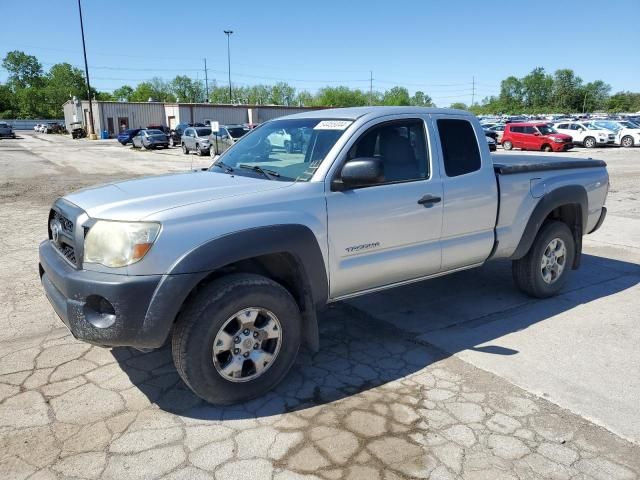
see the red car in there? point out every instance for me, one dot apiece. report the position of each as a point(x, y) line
point(535, 136)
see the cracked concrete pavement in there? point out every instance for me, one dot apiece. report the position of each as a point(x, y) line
point(379, 401)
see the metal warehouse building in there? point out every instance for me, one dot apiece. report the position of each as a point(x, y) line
point(116, 116)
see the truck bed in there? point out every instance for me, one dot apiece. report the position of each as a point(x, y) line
point(511, 164)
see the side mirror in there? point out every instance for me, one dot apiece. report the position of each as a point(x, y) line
point(359, 172)
point(537, 134)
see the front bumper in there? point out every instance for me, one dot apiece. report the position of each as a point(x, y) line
point(143, 308)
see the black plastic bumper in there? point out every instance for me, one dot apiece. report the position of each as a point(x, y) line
point(603, 214)
point(140, 309)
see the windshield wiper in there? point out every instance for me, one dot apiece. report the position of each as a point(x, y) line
point(224, 166)
point(266, 172)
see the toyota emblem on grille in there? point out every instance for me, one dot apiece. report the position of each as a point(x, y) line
point(56, 228)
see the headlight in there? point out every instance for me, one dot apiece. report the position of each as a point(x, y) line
point(558, 140)
point(118, 244)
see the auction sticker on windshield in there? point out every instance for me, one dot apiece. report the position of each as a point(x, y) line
point(333, 125)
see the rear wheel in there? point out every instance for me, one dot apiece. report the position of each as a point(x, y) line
point(589, 142)
point(543, 271)
point(507, 145)
point(237, 338)
point(627, 141)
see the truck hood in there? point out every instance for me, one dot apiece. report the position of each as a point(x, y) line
point(137, 199)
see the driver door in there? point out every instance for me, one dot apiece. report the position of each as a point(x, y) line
point(388, 232)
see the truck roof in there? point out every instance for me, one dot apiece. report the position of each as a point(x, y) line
point(353, 113)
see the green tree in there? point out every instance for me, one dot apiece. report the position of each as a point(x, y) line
point(155, 89)
point(185, 89)
point(124, 93)
point(8, 108)
point(340, 97)
point(459, 106)
point(511, 98)
point(396, 96)
point(62, 83)
point(595, 96)
point(567, 91)
point(421, 99)
point(282, 94)
point(624, 102)
point(24, 70)
point(537, 90)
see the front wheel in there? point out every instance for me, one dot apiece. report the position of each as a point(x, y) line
point(237, 338)
point(543, 271)
point(185, 150)
point(627, 141)
point(590, 142)
point(507, 145)
point(547, 148)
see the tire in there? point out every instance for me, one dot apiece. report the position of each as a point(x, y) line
point(287, 146)
point(547, 148)
point(507, 145)
point(172, 142)
point(146, 147)
point(185, 150)
point(589, 142)
point(209, 312)
point(528, 272)
point(627, 141)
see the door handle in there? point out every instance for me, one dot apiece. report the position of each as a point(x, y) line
point(429, 200)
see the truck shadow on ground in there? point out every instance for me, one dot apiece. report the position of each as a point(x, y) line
point(383, 337)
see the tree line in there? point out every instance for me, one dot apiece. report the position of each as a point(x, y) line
point(30, 92)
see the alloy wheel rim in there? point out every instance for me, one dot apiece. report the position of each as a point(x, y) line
point(553, 262)
point(247, 344)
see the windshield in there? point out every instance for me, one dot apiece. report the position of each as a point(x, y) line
point(237, 132)
point(154, 132)
point(294, 148)
point(628, 124)
point(203, 132)
point(610, 125)
point(591, 126)
point(546, 130)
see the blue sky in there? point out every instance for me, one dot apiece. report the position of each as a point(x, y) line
point(433, 46)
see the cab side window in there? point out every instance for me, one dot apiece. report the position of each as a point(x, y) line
point(401, 145)
point(530, 130)
point(460, 151)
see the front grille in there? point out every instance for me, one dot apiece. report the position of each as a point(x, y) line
point(64, 240)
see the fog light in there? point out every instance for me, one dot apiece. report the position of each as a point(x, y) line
point(99, 312)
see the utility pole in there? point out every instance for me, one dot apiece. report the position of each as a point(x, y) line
point(206, 81)
point(228, 34)
point(92, 130)
point(370, 87)
point(473, 90)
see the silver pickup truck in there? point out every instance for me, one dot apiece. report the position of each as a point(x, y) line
point(232, 263)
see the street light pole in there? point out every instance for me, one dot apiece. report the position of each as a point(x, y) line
point(228, 33)
point(92, 131)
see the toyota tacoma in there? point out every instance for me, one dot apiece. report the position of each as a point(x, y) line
point(232, 263)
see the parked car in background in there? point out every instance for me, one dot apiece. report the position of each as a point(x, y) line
point(175, 134)
point(535, 136)
point(126, 136)
point(490, 133)
point(226, 136)
point(196, 139)
point(36, 127)
point(585, 133)
point(492, 144)
point(499, 129)
point(150, 139)
point(627, 133)
point(6, 130)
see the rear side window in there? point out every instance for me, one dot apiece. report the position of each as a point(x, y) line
point(459, 147)
point(517, 129)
